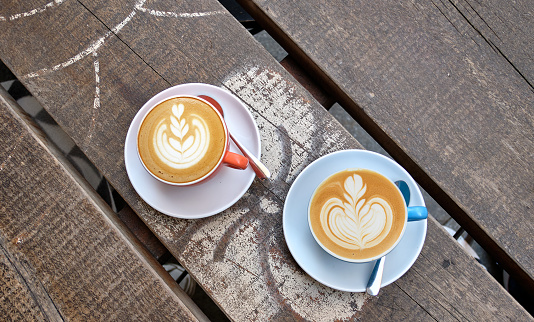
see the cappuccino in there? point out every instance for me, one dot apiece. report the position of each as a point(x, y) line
point(357, 214)
point(181, 140)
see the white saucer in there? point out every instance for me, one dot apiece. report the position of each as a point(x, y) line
point(217, 193)
point(323, 267)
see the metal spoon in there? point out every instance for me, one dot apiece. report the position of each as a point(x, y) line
point(261, 170)
point(375, 281)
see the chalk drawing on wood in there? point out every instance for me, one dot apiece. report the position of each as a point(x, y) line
point(97, 44)
point(32, 11)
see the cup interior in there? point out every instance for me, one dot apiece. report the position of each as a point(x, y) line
point(220, 158)
point(399, 195)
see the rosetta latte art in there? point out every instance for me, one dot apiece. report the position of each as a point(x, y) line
point(356, 223)
point(181, 143)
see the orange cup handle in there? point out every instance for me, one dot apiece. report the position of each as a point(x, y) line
point(236, 161)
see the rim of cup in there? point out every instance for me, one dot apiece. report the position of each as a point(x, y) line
point(207, 175)
point(370, 259)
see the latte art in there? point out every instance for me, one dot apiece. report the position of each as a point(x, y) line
point(180, 142)
point(357, 214)
point(354, 222)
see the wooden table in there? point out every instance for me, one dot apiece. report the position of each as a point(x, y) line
point(447, 92)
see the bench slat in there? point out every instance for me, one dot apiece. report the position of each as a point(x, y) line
point(63, 252)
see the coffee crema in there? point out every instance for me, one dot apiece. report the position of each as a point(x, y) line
point(357, 214)
point(181, 140)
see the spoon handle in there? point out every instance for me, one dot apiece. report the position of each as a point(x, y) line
point(375, 281)
point(261, 170)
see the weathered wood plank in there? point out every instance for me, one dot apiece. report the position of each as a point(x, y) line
point(503, 25)
point(23, 298)
point(63, 253)
point(446, 88)
point(240, 256)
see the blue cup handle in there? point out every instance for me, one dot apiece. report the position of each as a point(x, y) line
point(417, 213)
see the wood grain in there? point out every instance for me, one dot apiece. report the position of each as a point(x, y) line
point(239, 256)
point(503, 26)
point(63, 254)
point(446, 88)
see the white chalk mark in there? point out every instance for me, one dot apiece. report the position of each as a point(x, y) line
point(96, 101)
point(96, 64)
point(115, 30)
point(89, 50)
point(176, 14)
point(33, 11)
